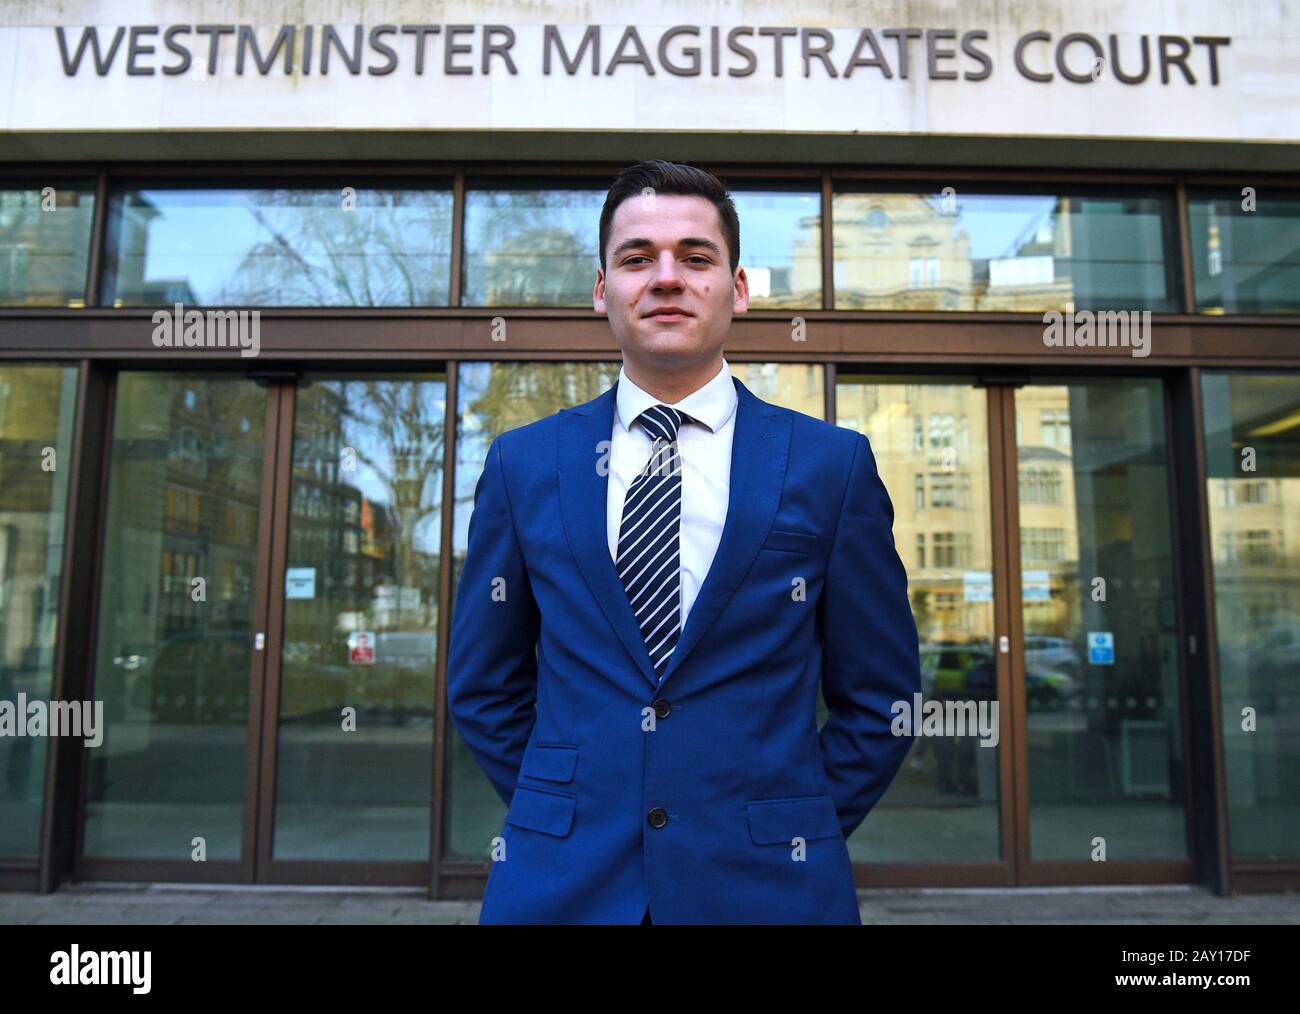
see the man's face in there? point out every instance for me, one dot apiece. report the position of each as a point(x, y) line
point(669, 252)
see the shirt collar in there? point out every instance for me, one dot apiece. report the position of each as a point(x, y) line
point(711, 404)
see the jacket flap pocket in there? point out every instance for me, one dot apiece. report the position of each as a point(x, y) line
point(782, 820)
point(791, 542)
point(553, 762)
point(541, 811)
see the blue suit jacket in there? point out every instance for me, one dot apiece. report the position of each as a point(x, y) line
point(550, 683)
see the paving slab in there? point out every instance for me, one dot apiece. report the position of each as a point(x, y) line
point(188, 904)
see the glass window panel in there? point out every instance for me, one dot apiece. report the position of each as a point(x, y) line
point(36, 408)
point(1096, 558)
point(943, 805)
point(980, 250)
point(1252, 457)
point(361, 619)
point(174, 652)
point(278, 247)
point(1245, 261)
point(781, 247)
point(45, 245)
point(530, 246)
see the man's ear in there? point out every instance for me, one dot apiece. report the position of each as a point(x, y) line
point(741, 302)
point(598, 293)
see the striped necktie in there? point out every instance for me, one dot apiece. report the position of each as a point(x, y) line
point(649, 563)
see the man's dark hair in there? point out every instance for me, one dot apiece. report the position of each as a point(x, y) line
point(668, 178)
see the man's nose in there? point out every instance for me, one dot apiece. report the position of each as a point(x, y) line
point(667, 273)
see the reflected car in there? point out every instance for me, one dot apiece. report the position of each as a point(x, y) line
point(1052, 653)
point(969, 672)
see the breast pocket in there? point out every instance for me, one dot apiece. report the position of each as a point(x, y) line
point(784, 541)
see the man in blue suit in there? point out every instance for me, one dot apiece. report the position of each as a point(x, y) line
point(656, 584)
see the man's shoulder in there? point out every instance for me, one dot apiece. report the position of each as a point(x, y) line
point(542, 432)
point(528, 438)
point(534, 441)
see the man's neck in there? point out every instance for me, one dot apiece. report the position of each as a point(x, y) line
point(670, 388)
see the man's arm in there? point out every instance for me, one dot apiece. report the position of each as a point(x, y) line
point(492, 659)
point(870, 657)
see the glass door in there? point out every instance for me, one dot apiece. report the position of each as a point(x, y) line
point(267, 629)
point(166, 793)
point(943, 820)
point(349, 738)
point(1034, 521)
point(1099, 743)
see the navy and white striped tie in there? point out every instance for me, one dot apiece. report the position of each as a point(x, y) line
point(649, 561)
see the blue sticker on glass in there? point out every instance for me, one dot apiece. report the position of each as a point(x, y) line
point(1101, 647)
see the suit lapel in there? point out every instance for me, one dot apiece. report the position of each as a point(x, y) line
point(759, 450)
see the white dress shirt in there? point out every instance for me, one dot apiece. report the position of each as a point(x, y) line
point(705, 447)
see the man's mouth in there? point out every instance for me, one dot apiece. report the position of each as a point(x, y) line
point(668, 313)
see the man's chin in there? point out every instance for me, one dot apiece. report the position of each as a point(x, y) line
point(665, 342)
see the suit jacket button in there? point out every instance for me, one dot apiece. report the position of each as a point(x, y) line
point(658, 817)
point(662, 707)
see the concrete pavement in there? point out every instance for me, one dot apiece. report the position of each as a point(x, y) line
point(171, 904)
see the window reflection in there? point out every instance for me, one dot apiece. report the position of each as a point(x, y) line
point(348, 246)
point(781, 247)
point(1245, 251)
point(45, 245)
point(540, 247)
point(971, 250)
point(1101, 672)
point(36, 407)
point(1252, 448)
point(175, 618)
point(531, 247)
point(354, 776)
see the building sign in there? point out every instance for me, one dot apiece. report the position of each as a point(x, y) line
point(1196, 69)
point(938, 54)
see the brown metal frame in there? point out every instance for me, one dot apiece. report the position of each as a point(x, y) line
point(1007, 622)
point(264, 697)
point(101, 340)
point(70, 678)
point(1206, 791)
point(446, 558)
